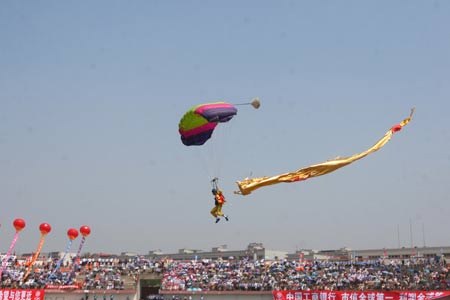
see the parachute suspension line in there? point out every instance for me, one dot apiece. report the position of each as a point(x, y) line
point(211, 154)
point(219, 148)
point(255, 103)
point(204, 157)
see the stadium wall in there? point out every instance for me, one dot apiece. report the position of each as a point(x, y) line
point(228, 295)
point(132, 295)
point(91, 295)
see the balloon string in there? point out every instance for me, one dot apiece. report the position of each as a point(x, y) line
point(81, 246)
point(78, 253)
point(8, 254)
point(35, 256)
point(59, 262)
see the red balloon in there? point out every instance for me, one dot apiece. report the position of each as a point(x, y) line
point(19, 224)
point(72, 233)
point(45, 228)
point(85, 230)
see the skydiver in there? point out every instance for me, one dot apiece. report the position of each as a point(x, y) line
point(219, 200)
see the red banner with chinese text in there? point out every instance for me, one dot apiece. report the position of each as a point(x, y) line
point(16, 294)
point(359, 295)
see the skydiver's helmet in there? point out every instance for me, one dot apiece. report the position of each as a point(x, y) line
point(219, 192)
point(214, 191)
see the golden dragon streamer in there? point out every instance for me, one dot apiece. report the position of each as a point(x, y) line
point(248, 185)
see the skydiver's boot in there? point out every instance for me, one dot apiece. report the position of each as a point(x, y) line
point(226, 218)
point(217, 220)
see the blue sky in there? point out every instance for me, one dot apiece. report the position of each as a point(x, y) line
point(91, 94)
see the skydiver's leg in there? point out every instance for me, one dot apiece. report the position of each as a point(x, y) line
point(219, 210)
point(220, 213)
point(214, 212)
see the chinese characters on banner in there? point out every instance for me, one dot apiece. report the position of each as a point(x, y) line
point(359, 295)
point(15, 294)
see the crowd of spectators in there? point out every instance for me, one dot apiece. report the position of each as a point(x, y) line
point(85, 273)
point(233, 274)
point(249, 275)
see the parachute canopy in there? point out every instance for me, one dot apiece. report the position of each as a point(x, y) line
point(199, 122)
